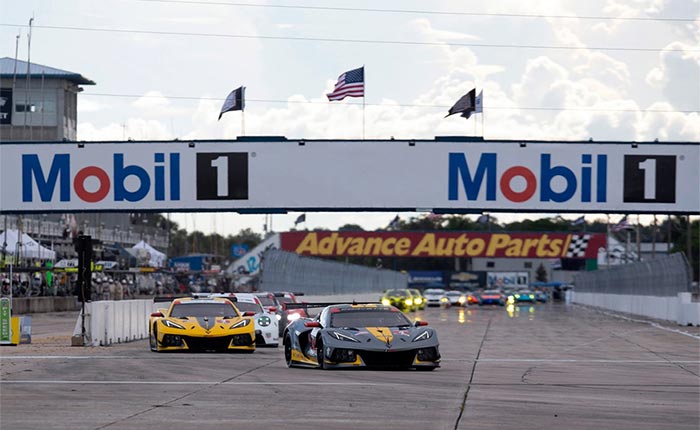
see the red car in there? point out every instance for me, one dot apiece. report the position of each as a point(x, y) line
point(284, 297)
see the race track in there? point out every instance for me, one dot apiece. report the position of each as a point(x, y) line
point(544, 366)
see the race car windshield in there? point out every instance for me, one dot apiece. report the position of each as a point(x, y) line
point(368, 319)
point(397, 293)
point(203, 310)
point(248, 307)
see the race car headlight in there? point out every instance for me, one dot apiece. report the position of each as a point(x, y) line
point(279, 317)
point(423, 336)
point(444, 299)
point(386, 302)
point(171, 324)
point(462, 299)
point(341, 336)
point(264, 321)
point(408, 302)
point(293, 317)
point(241, 323)
point(511, 299)
point(517, 296)
point(418, 301)
point(532, 296)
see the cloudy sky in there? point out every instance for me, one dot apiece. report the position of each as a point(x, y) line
point(570, 70)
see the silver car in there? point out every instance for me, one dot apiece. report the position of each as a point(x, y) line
point(436, 297)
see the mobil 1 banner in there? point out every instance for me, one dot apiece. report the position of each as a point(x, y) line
point(327, 175)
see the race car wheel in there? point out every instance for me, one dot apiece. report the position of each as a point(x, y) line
point(153, 339)
point(321, 354)
point(288, 350)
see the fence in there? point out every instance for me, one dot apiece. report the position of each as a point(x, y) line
point(659, 288)
point(660, 277)
point(287, 271)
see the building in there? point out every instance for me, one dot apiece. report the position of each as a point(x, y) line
point(38, 102)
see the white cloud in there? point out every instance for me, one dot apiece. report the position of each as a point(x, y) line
point(133, 128)
point(424, 27)
point(678, 74)
point(87, 105)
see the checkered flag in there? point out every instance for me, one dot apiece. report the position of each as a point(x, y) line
point(578, 246)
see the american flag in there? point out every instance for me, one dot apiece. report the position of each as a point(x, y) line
point(350, 84)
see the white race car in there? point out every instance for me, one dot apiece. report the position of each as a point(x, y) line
point(266, 323)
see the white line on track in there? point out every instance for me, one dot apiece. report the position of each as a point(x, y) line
point(363, 384)
point(119, 357)
point(573, 360)
point(643, 321)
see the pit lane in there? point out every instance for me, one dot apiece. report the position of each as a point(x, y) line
point(543, 366)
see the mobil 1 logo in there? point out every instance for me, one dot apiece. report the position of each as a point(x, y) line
point(222, 176)
point(650, 179)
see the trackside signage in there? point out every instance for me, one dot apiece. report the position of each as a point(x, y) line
point(350, 175)
point(443, 244)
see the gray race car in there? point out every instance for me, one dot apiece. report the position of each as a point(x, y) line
point(360, 335)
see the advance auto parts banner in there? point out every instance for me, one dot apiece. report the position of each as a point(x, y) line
point(443, 244)
point(252, 175)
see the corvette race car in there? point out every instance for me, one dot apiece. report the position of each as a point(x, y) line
point(266, 323)
point(360, 335)
point(200, 324)
point(401, 298)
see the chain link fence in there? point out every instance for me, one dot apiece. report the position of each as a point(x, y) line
point(287, 271)
point(661, 277)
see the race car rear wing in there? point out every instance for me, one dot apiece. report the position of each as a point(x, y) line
point(161, 299)
point(305, 306)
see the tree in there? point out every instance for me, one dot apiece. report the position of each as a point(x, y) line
point(541, 273)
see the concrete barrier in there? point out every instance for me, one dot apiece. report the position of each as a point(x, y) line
point(32, 305)
point(680, 309)
point(108, 322)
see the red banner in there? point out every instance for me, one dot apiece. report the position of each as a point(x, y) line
point(443, 244)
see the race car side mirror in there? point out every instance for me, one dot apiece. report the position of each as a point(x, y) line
point(420, 323)
point(157, 314)
point(248, 314)
point(312, 324)
point(272, 309)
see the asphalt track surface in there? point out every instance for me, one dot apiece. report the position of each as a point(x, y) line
point(548, 366)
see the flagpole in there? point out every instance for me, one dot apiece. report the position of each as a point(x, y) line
point(364, 79)
point(14, 79)
point(27, 85)
point(482, 113)
point(607, 241)
point(243, 122)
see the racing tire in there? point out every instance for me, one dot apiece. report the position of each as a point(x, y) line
point(321, 354)
point(288, 350)
point(153, 339)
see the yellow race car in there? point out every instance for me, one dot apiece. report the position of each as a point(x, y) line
point(197, 324)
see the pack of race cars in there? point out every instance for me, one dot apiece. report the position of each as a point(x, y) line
point(340, 335)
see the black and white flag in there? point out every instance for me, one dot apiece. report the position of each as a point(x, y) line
point(465, 105)
point(234, 101)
